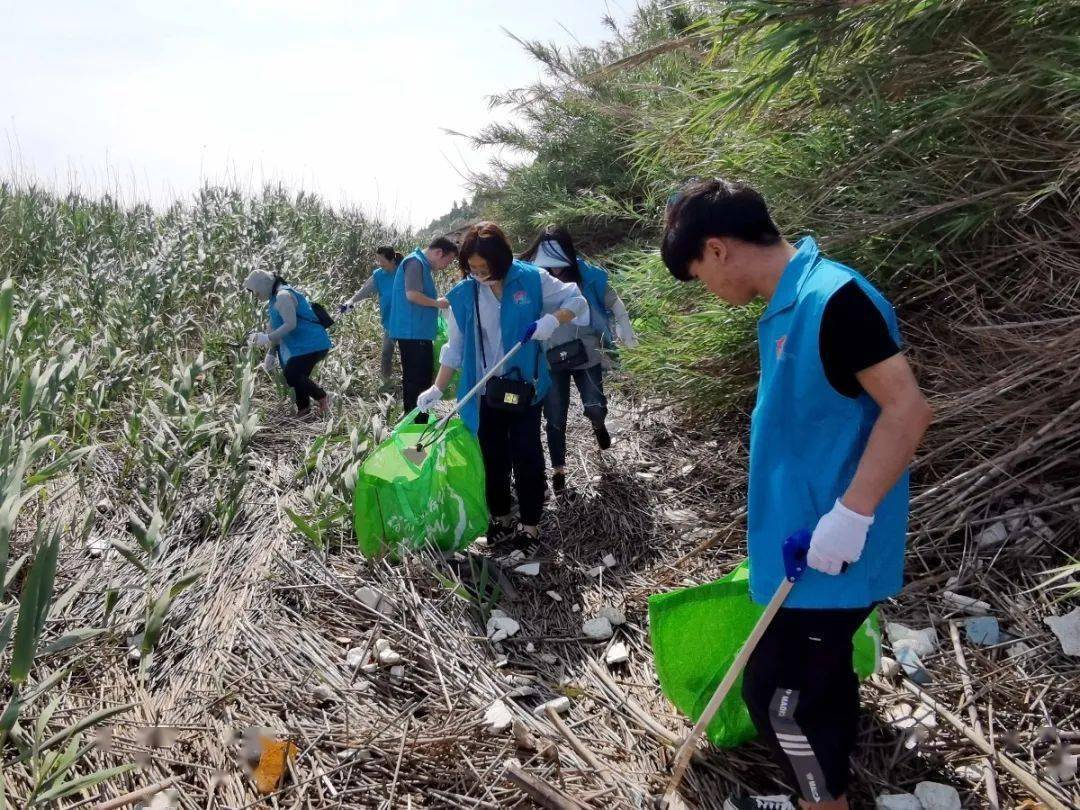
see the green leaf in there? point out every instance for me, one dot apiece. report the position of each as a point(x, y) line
point(69, 640)
point(82, 783)
point(306, 528)
point(87, 722)
point(180, 585)
point(130, 554)
point(7, 297)
point(10, 714)
point(5, 629)
point(33, 607)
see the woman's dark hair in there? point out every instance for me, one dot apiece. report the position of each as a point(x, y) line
point(713, 208)
point(560, 235)
point(445, 244)
point(390, 255)
point(487, 240)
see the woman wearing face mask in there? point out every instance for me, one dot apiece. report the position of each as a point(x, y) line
point(294, 337)
point(577, 352)
point(501, 302)
point(380, 284)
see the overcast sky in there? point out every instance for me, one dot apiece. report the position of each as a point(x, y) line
point(348, 99)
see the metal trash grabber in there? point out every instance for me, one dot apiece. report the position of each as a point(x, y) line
point(794, 551)
point(417, 454)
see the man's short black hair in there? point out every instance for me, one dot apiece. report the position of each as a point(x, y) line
point(713, 208)
point(445, 244)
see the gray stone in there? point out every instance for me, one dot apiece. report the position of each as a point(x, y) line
point(897, 801)
point(1067, 629)
point(992, 535)
point(561, 705)
point(528, 569)
point(983, 630)
point(613, 615)
point(598, 629)
point(935, 796)
point(501, 627)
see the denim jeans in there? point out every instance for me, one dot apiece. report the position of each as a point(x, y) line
point(590, 385)
point(386, 359)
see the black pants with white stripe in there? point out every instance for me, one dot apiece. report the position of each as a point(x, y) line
point(803, 696)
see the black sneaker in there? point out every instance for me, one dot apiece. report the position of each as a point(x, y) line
point(758, 803)
point(603, 438)
point(558, 483)
point(520, 540)
point(498, 532)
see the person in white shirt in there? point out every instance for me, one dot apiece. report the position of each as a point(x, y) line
point(501, 302)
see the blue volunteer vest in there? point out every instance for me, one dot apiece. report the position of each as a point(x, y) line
point(384, 283)
point(407, 320)
point(308, 336)
point(522, 303)
point(594, 282)
point(805, 443)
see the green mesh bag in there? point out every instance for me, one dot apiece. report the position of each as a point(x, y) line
point(399, 505)
point(696, 634)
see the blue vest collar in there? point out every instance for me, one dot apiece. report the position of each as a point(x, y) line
point(795, 273)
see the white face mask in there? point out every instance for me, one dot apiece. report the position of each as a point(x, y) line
point(489, 283)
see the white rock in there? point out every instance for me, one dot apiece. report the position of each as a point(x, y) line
point(501, 627)
point(617, 654)
point(397, 673)
point(498, 614)
point(598, 629)
point(971, 773)
point(1065, 769)
point(921, 642)
point(548, 658)
point(497, 718)
point(528, 569)
point(530, 647)
point(517, 555)
point(935, 796)
point(97, 546)
point(389, 658)
point(897, 801)
point(613, 615)
point(966, 603)
point(1067, 629)
point(355, 657)
point(165, 800)
point(375, 600)
point(560, 704)
point(576, 608)
point(554, 595)
point(992, 535)
point(1017, 649)
point(609, 561)
point(382, 644)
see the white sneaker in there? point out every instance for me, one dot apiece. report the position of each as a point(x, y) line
point(759, 803)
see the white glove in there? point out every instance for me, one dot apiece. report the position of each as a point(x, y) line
point(838, 538)
point(259, 339)
point(544, 328)
point(625, 333)
point(427, 399)
point(270, 362)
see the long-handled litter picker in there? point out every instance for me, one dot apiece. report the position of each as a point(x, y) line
point(417, 454)
point(794, 550)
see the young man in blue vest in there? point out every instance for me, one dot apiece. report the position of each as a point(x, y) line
point(380, 284)
point(837, 421)
point(414, 316)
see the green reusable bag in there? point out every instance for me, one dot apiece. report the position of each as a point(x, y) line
point(442, 334)
point(399, 506)
point(696, 634)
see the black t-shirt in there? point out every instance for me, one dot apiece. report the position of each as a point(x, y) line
point(854, 336)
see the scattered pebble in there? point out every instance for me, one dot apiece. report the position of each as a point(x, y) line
point(501, 627)
point(934, 796)
point(1067, 629)
point(890, 668)
point(397, 673)
point(599, 629)
point(613, 615)
point(921, 642)
point(966, 603)
point(497, 718)
point(983, 630)
point(1064, 767)
point(917, 722)
point(530, 647)
point(992, 535)
point(898, 801)
point(528, 569)
point(323, 693)
point(555, 596)
point(523, 738)
point(355, 657)
point(617, 654)
point(548, 658)
point(560, 704)
point(97, 546)
point(375, 600)
point(1017, 649)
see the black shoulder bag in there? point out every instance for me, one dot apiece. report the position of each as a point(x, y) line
point(505, 393)
point(322, 317)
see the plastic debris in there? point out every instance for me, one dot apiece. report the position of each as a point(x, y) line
point(501, 627)
point(617, 654)
point(966, 603)
point(609, 561)
point(1067, 629)
point(898, 801)
point(935, 796)
point(921, 642)
point(983, 630)
point(560, 704)
point(992, 535)
point(497, 718)
point(890, 667)
point(528, 569)
point(355, 657)
point(613, 615)
point(273, 759)
point(599, 629)
point(595, 572)
point(912, 666)
point(917, 722)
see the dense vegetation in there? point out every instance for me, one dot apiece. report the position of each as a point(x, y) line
point(916, 139)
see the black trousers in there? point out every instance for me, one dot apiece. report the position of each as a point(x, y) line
point(298, 376)
point(417, 371)
point(803, 696)
point(510, 443)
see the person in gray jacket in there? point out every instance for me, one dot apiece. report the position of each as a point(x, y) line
point(578, 353)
